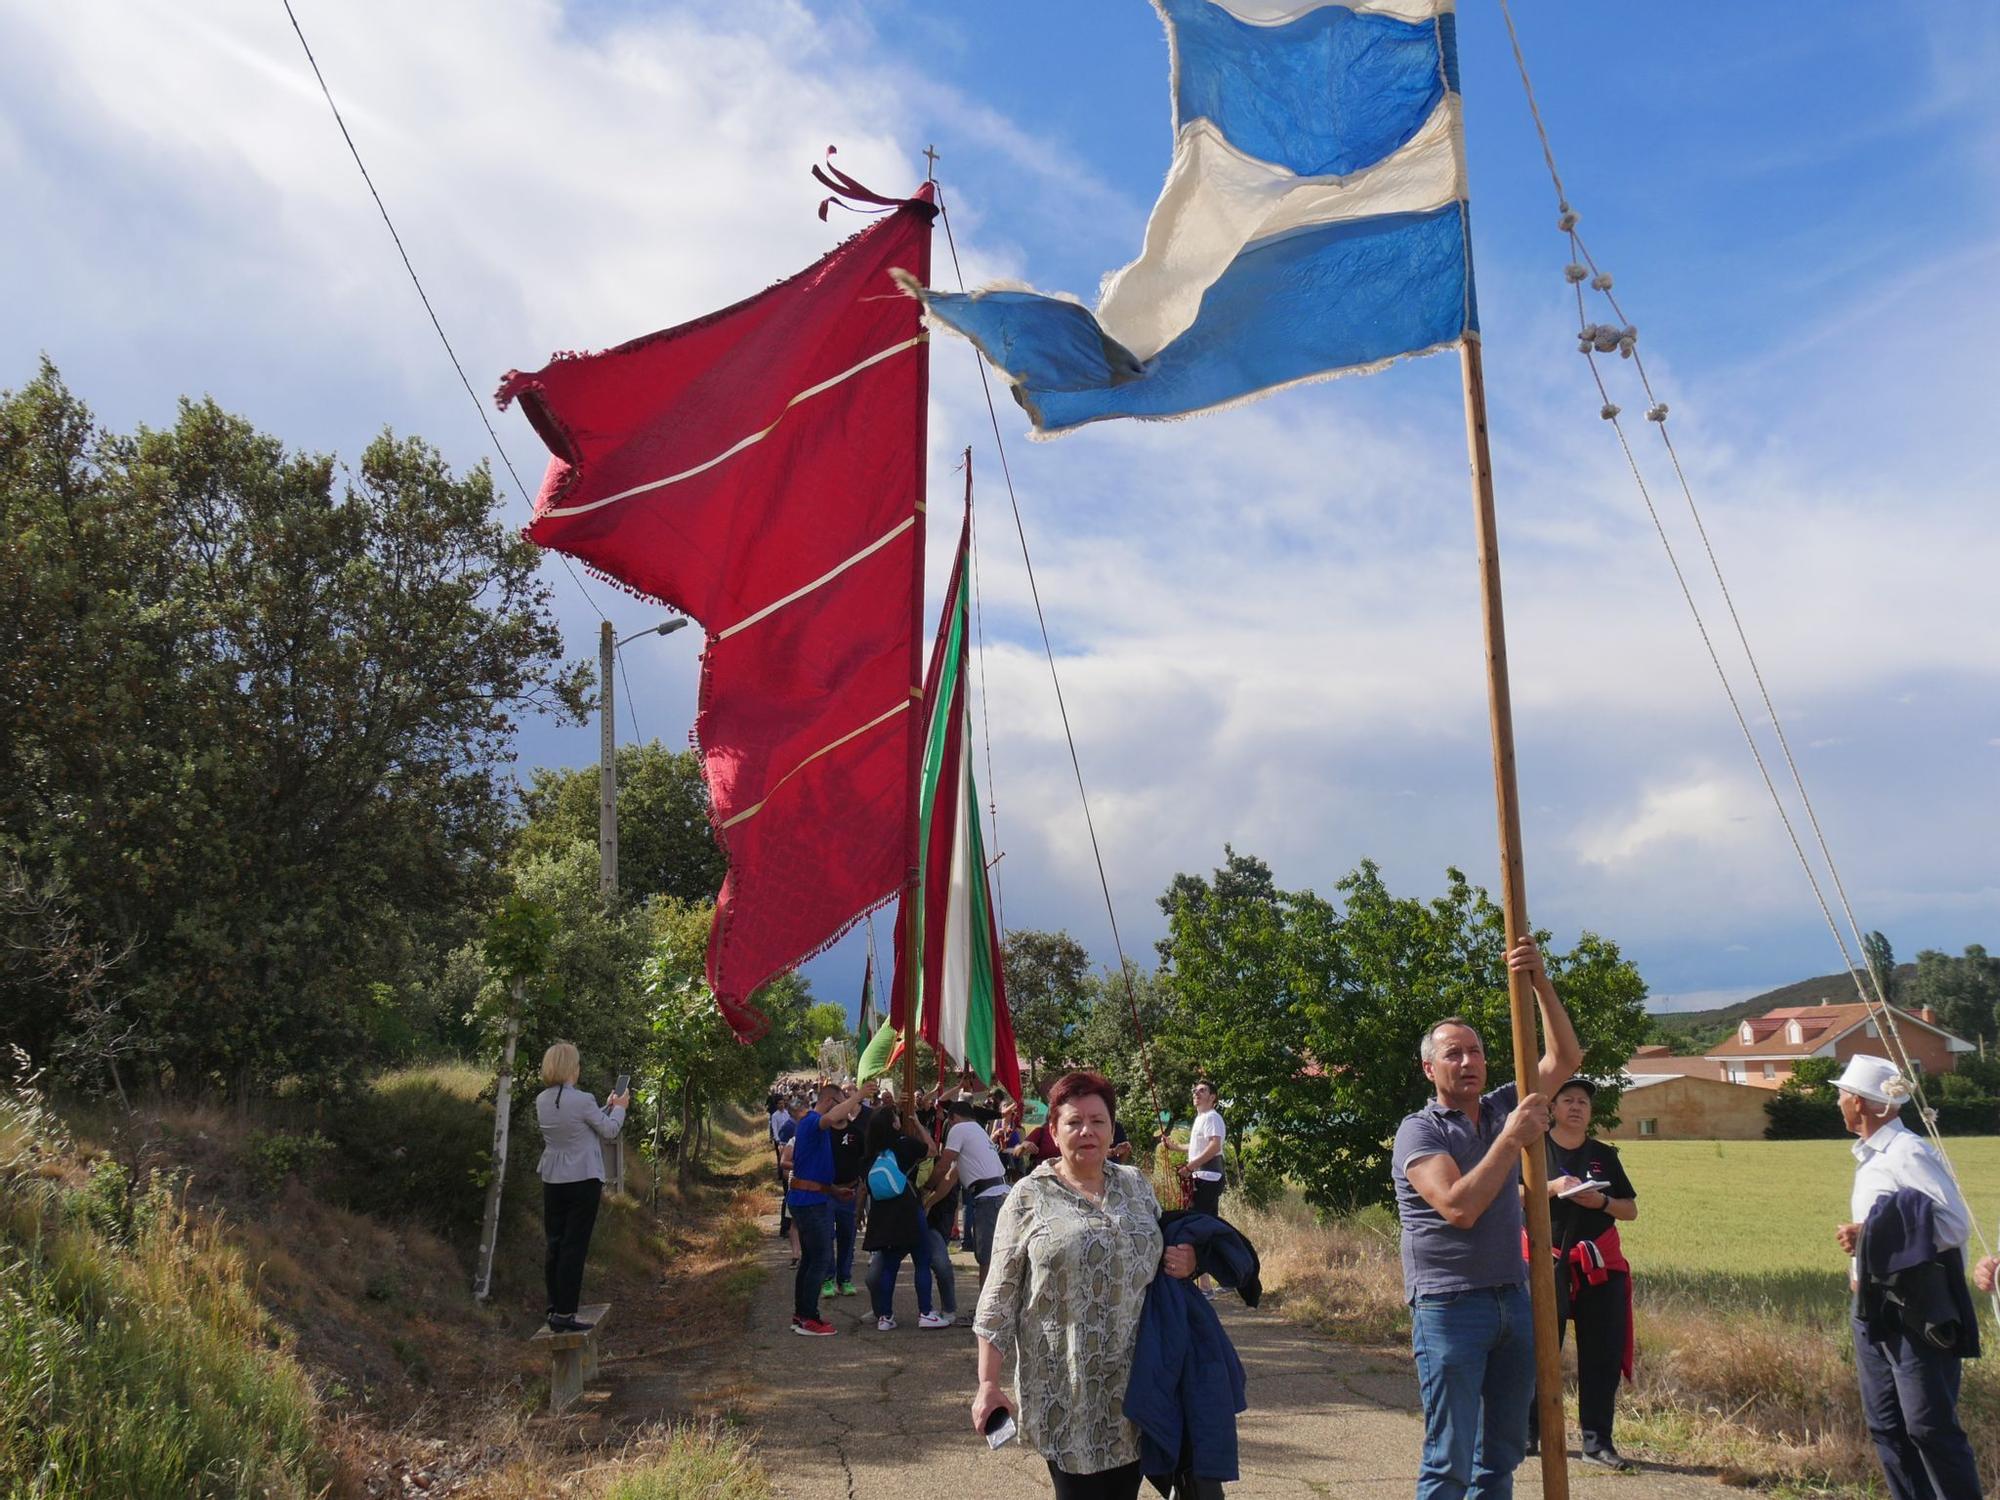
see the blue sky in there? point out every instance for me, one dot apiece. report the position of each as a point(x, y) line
point(1266, 619)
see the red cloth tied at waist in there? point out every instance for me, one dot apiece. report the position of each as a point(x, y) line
point(1590, 1263)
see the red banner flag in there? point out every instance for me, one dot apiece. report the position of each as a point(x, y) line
point(761, 469)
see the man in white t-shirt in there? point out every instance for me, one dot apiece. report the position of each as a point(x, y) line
point(970, 1160)
point(1205, 1140)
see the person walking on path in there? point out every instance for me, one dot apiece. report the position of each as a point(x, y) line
point(1456, 1169)
point(1593, 1280)
point(811, 1196)
point(1205, 1141)
point(1077, 1244)
point(849, 1161)
point(896, 1226)
point(1914, 1321)
point(971, 1162)
point(572, 1173)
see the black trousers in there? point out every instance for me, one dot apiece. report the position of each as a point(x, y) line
point(569, 1213)
point(1121, 1483)
point(1909, 1395)
point(1207, 1197)
point(1599, 1313)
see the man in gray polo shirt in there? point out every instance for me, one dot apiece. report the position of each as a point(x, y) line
point(1457, 1171)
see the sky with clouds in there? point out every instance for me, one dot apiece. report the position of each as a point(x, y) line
point(1266, 620)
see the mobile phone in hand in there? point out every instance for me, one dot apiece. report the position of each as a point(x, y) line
point(623, 1085)
point(999, 1427)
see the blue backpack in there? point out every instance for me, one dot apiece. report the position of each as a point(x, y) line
point(886, 1179)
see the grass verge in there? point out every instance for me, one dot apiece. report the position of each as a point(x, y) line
point(135, 1358)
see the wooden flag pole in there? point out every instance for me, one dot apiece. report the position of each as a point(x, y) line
point(910, 962)
point(1514, 902)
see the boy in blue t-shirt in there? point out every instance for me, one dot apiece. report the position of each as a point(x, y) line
point(811, 1198)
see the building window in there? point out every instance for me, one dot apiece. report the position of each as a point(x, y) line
point(1649, 1127)
point(1795, 1034)
point(1869, 1030)
point(1746, 1033)
point(1770, 1070)
point(1736, 1075)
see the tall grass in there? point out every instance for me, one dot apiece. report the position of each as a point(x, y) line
point(694, 1463)
point(134, 1358)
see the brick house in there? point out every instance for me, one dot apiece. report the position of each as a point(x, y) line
point(1766, 1048)
point(1664, 1062)
point(1688, 1107)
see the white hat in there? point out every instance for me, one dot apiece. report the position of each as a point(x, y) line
point(1873, 1078)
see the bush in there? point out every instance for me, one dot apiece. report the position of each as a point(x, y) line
point(1800, 1115)
point(275, 1156)
point(1968, 1117)
point(417, 1145)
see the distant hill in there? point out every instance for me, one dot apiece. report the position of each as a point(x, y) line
point(1695, 1031)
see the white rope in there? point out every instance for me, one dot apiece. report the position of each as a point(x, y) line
point(1622, 336)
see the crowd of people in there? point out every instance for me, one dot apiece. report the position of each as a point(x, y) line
point(1099, 1297)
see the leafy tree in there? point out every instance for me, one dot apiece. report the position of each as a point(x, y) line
point(1964, 991)
point(692, 1056)
point(1108, 1043)
point(1309, 1016)
point(1048, 996)
point(824, 1021)
point(665, 845)
point(1880, 959)
point(256, 724)
point(592, 993)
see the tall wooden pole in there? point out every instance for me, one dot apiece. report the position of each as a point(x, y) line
point(910, 962)
point(1514, 902)
point(607, 768)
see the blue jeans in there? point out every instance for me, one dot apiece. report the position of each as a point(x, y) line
point(941, 1272)
point(1476, 1367)
point(843, 1239)
point(882, 1277)
point(983, 1213)
point(1909, 1396)
point(814, 1222)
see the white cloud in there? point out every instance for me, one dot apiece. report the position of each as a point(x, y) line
point(1712, 812)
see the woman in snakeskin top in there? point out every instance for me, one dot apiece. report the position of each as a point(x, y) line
point(1077, 1244)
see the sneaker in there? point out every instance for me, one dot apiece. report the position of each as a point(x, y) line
point(829, 1288)
point(814, 1328)
point(885, 1324)
point(847, 1289)
point(1609, 1458)
point(933, 1320)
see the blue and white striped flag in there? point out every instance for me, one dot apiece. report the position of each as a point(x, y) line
point(1313, 221)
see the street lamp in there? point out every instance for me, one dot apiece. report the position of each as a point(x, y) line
point(607, 766)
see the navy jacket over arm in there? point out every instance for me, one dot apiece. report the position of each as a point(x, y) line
point(1187, 1384)
point(1908, 1283)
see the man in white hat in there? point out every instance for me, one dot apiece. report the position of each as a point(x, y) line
point(1909, 1227)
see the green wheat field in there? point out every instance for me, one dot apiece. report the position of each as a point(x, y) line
point(1750, 1223)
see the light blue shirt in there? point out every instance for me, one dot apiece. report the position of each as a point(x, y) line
point(573, 1128)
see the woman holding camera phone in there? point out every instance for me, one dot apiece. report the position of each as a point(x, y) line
point(572, 1173)
point(1077, 1244)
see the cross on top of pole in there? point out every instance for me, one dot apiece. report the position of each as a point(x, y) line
point(931, 156)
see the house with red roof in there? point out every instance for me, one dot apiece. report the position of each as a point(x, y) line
point(1766, 1048)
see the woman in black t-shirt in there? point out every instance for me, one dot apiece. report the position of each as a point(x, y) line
point(896, 1226)
point(1593, 1281)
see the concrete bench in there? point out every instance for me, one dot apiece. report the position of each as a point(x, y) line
point(572, 1356)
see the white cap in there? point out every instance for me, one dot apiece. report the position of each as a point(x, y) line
point(1873, 1078)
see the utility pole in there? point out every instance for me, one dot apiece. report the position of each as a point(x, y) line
point(607, 751)
point(607, 768)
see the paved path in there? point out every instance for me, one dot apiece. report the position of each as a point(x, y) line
point(861, 1415)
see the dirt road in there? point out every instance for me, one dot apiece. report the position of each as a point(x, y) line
point(857, 1416)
